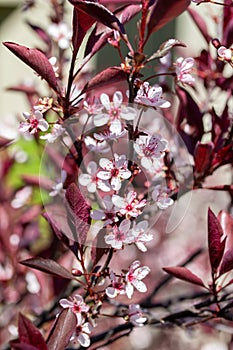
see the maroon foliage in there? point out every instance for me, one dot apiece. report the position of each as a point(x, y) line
point(162, 12)
point(184, 274)
point(81, 23)
point(48, 266)
point(78, 213)
point(107, 76)
point(203, 157)
point(37, 61)
point(62, 330)
point(99, 13)
point(216, 242)
point(227, 262)
point(30, 337)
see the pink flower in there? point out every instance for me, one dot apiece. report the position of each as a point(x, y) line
point(134, 278)
point(61, 34)
point(56, 132)
point(139, 236)
point(160, 196)
point(76, 304)
point(107, 214)
point(34, 122)
point(90, 180)
point(114, 171)
point(115, 112)
point(82, 332)
point(150, 148)
point(129, 206)
point(224, 53)
point(95, 146)
point(151, 96)
point(117, 286)
point(135, 315)
point(118, 236)
point(183, 69)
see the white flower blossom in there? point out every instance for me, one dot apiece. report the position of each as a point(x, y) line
point(61, 34)
point(118, 234)
point(116, 111)
point(114, 171)
point(82, 332)
point(138, 235)
point(160, 196)
point(225, 54)
point(90, 180)
point(183, 69)
point(95, 146)
point(56, 132)
point(129, 206)
point(151, 96)
point(117, 286)
point(76, 304)
point(107, 214)
point(134, 278)
point(135, 315)
point(34, 122)
point(149, 148)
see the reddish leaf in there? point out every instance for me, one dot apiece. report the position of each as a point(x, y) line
point(62, 330)
point(29, 334)
point(201, 24)
point(37, 61)
point(227, 262)
point(17, 345)
point(48, 266)
point(189, 120)
point(4, 142)
point(107, 76)
point(184, 274)
point(165, 48)
point(39, 181)
point(215, 242)
point(57, 219)
point(99, 13)
point(162, 12)
point(203, 157)
point(27, 89)
point(78, 213)
point(99, 247)
point(81, 23)
point(40, 32)
point(226, 221)
point(100, 34)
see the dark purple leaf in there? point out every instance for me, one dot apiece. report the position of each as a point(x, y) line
point(49, 266)
point(227, 262)
point(57, 218)
point(216, 242)
point(189, 120)
point(99, 247)
point(100, 34)
point(29, 334)
point(62, 330)
point(81, 23)
point(40, 32)
point(162, 12)
point(201, 24)
point(17, 345)
point(36, 180)
point(4, 142)
point(203, 157)
point(27, 89)
point(184, 274)
point(37, 61)
point(108, 76)
point(99, 13)
point(78, 213)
